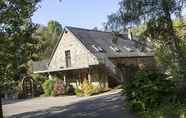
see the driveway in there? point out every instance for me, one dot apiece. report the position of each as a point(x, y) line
point(106, 105)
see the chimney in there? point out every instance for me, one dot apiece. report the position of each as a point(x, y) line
point(130, 36)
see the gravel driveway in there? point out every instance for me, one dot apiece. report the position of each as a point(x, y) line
point(106, 105)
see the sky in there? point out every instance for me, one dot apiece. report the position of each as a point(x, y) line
point(77, 13)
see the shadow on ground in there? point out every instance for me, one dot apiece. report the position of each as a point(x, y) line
point(108, 106)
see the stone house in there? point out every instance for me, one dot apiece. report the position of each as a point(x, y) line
point(99, 57)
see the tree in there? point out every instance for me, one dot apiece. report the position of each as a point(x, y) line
point(157, 15)
point(47, 37)
point(54, 27)
point(95, 28)
point(114, 23)
point(16, 42)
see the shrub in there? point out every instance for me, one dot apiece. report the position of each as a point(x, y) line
point(147, 92)
point(86, 89)
point(48, 86)
point(78, 92)
point(56, 87)
point(70, 90)
point(39, 78)
point(59, 88)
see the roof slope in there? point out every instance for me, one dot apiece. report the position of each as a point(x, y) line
point(40, 65)
point(105, 41)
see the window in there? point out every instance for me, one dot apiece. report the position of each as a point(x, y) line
point(98, 48)
point(130, 49)
point(149, 49)
point(115, 49)
point(68, 58)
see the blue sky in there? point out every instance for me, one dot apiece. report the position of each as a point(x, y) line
point(79, 13)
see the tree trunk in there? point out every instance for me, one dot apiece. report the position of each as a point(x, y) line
point(1, 109)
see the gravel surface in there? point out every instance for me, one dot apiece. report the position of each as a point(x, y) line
point(106, 105)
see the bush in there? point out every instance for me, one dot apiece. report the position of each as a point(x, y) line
point(86, 89)
point(59, 88)
point(147, 92)
point(48, 86)
point(78, 92)
point(70, 90)
point(39, 78)
point(56, 87)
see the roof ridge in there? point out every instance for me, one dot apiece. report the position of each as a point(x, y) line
point(89, 29)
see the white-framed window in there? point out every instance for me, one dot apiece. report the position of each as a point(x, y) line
point(130, 49)
point(149, 49)
point(115, 49)
point(98, 48)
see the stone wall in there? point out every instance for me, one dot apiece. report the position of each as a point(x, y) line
point(147, 62)
point(126, 71)
point(80, 56)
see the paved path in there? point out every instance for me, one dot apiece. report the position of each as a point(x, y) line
point(106, 105)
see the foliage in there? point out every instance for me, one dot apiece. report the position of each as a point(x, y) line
point(78, 92)
point(38, 89)
point(54, 27)
point(47, 38)
point(113, 23)
point(59, 88)
point(87, 89)
point(69, 90)
point(48, 87)
point(56, 87)
point(152, 94)
point(157, 15)
point(16, 42)
point(40, 78)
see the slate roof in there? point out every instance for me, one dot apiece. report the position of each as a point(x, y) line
point(40, 65)
point(104, 40)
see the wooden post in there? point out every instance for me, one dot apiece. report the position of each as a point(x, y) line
point(64, 79)
point(1, 109)
point(50, 76)
point(89, 76)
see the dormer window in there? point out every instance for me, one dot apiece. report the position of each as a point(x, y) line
point(115, 49)
point(129, 49)
point(140, 49)
point(149, 49)
point(97, 48)
point(100, 49)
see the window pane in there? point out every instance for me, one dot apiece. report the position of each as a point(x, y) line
point(68, 58)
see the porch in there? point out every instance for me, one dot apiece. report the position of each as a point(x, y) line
point(75, 77)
